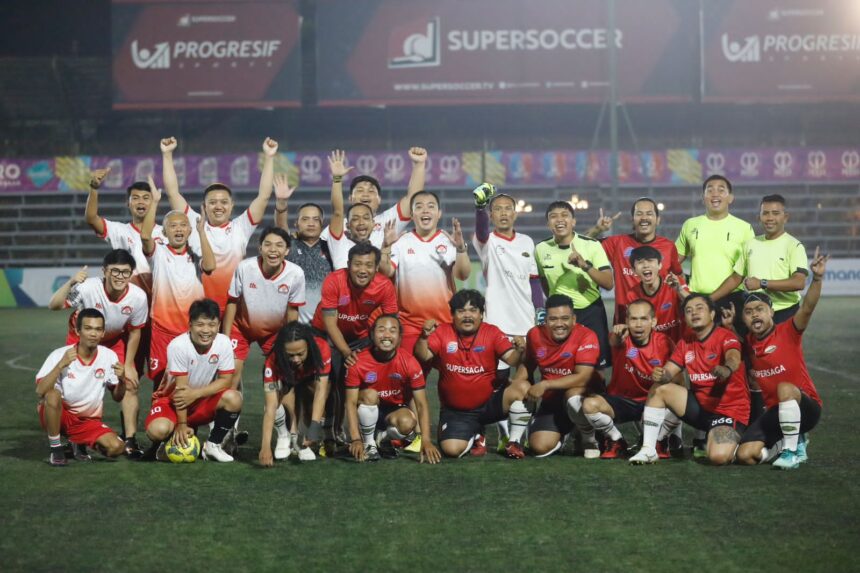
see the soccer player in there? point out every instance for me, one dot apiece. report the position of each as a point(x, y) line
point(296, 377)
point(424, 264)
point(774, 263)
point(197, 389)
point(777, 364)
point(465, 352)
point(638, 349)
point(359, 218)
point(575, 265)
point(379, 387)
point(664, 293)
point(718, 400)
point(566, 354)
point(125, 310)
point(71, 385)
point(228, 238)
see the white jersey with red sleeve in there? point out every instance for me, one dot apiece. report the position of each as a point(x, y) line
point(424, 279)
point(338, 248)
point(129, 312)
point(262, 301)
point(201, 369)
point(175, 285)
point(127, 236)
point(377, 235)
point(229, 242)
point(82, 385)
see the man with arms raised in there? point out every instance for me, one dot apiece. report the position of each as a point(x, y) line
point(359, 217)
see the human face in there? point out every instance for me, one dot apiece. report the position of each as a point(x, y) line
point(640, 322)
point(203, 330)
point(560, 321)
point(219, 207)
point(309, 224)
point(367, 193)
point(503, 214)
point(273, 251)
point(758, 317)
point(645, 220)
point(467, 319)
point(386, 335)
point(648, 271)
point(697, 314)
point(297, 353)
point(360, 223)
point(773, 218)
point(177, 229)
point(117, 277)
point(91, 332)
point(561, 222)
point(425, 214)
point(362, 269)
point(717, 198)
point(138, 204)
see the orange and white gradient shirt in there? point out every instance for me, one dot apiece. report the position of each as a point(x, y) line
point(175, 285)
point(424, 279)
point(262, 302)
point(229, 242)
point(82, 385)
point(127, 236)
point(201, 369)
point(131, 311)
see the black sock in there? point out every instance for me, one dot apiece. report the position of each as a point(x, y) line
point(756, 405)
point(224, 420)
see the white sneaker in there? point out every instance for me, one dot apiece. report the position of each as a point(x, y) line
point(283, 448)
point(590, 450)
point(307, 455)
point(213, 451)
point(644, 456)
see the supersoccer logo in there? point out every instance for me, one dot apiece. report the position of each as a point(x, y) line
point(420, 46)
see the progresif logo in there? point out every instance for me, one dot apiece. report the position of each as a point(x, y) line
point(157, 59)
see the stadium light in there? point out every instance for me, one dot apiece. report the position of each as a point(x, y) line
point(523, 207)
point(578, 203)
point(660, 206)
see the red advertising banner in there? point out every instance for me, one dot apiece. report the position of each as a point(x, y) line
point(206, 54)
point(786, 51)
point(378, 52)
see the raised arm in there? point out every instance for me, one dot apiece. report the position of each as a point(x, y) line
point(283, 192)
point(462, 265)
point(338, 168)
point(603, 224)
point(422, 350)
point(817, 267)
point(93, 218)
point(207, 259)
point(168, 174)
point(257, 208)
point(390, 237)
point(148, 223)
point(418, 155)
point(58, 299)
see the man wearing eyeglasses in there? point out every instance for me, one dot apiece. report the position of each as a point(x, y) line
point(124, 306)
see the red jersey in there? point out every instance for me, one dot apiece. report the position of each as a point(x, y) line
point(699, 357)
point(354, 305)
point(302, 375)
point(778, 357)
point(558, 359)
point(393, 380)
point(467, 364)
point(667, 307)
point(633, 365)
point(618, 249)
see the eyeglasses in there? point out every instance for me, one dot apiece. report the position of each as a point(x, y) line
point(124, 273)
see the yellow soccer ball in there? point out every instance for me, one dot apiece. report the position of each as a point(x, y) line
point(179, 454)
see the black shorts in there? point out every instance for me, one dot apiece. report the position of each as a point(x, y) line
point(464, 424)
point(626, 410)
point(766, 428)
point(784, 314)
point(551, 416)
point(386, 410)
point(706, 421)
point(737, 299)
point(594, 317)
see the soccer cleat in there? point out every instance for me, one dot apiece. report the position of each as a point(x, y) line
point(388, 451)
point(307, 455)
point(241, 437)
point(615, 449)
point(415, 446)
point(371, 454)
point(514, 451)
point(644, 456)
point(802, 442)
point(787, 460)
point(161, 453)
point(502, 446)
point(132, 449)
point(663, 449)
point(57, 458)
point(676, 446)
point(80, 453)
point(590, 449)
point(479, 446)
point(213, 451)
point(229, 444)
point(283, 447)
point(483, 193)
point(700, 449)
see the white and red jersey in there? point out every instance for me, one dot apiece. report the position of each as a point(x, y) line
point(699, 357)
point(667, 309)
point(633, 365)
point(354, 305)
point(229, 243)
point(423, 274)
point(559, 359)
point(262, 301)
point(129, 312)
point(509, 264)
point(467, 364)
point(338, 248)
point(82, 385)
point(778, 357)
point(303, 375)
point(394, 380)
point(377, 235)
point(127, 236)
point(201, 369)
point(175, 285)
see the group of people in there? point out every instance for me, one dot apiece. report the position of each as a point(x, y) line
point(351, 317)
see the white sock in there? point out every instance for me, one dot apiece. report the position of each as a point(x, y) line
point(769, 454)
point(394, 433)
point(503, 429)
point(281, 422)
point(574, 412)
point(652, 419)
point(670, 423)
point(789, 423)
point(603, 423)
point(518, 420)
point(367, 418)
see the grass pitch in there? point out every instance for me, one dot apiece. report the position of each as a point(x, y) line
point(489, 514)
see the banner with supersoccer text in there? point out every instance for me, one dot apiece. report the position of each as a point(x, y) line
point(391, 52)
point(786, 51)
point(205, 54)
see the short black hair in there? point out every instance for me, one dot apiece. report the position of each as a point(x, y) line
point(358, 205)
point(645, 302)
point(694, 295)
point(388, 315)
point(275, 231)
point(315, 205)
point(557, 300)
point(644, 253)
point(204, 308)
point(217, 187)
point(717, 177)
point(363, 248)
point(560, 205)
point(501, 196)
point(650, 200)
point(425, 192)
point(362, 178)
point(775, 198)
point(119, 257)
point(88, 313)
point(138, 186)
point(464, 297)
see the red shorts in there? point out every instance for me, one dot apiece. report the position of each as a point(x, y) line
point(242, 346)
point(82, 431)
point(201, 412)
point(159, 339)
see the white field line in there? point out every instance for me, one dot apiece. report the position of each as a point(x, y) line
point(13, 364)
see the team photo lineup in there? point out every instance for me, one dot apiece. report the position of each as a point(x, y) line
point(354, 304)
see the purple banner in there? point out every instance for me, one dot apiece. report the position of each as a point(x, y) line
point(670, 167)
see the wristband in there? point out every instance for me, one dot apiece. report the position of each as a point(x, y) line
point(355, 440)
point(336, 178)
point(763, 283)
point(284, 210)
point(463, 250)
point(588, 266)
